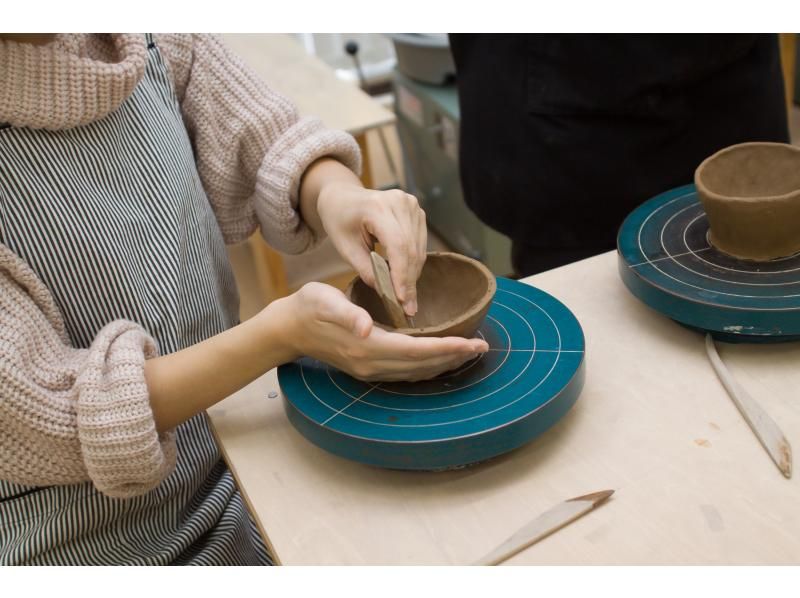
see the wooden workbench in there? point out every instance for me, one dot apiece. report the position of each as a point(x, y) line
point(653, 422)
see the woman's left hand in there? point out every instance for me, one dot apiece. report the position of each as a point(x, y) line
point(355, 218)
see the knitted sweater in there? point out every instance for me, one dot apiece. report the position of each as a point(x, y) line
point(69, 415)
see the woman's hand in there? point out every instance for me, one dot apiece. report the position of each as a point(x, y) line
point(355, 217)
point(320, 322)
point(333, 199)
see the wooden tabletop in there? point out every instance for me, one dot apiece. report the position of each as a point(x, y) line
point(308, 82)
point(692, 483)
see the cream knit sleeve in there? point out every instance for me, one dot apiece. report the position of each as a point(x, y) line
point(251, 147)
point(71, 415)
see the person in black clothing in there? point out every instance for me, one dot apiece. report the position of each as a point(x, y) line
point(563, 135)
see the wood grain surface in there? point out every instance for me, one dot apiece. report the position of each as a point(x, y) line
point(653, 423)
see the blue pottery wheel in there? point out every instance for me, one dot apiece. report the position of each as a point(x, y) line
point(666, 261)
point(505, 398)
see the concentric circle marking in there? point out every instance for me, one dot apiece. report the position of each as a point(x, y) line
point(448, 390)
point(665, 261)
point(673, 258)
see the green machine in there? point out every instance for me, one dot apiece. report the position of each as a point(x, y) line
point(428, 125)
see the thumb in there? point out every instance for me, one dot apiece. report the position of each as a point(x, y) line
point(349, 316)
point(360, 322)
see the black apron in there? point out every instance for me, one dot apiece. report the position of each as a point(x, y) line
point(563, 135)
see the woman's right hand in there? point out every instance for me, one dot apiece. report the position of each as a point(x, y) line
point(319, 321)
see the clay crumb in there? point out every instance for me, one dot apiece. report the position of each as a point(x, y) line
point(702, 442)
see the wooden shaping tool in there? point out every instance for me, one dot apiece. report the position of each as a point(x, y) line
point(544, 525)
point(385, 290)
point(765, 429)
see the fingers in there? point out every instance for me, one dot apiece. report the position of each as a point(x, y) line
point(392, 235)
point(397, 357)
point(399, 347)
point(412, 219)
point(394, 372)
point(400, 227)
point(414, 367)
point(388, 356)
point(359, 216)
point(343, 334)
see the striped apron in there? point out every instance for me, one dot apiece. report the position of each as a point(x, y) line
point(114, 220)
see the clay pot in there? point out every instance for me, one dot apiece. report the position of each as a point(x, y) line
point(751, 194)
point(454, 293)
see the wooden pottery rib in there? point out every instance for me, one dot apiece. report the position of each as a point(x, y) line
point(385, 290)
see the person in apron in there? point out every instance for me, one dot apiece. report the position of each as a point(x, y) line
point(126, 163)
point(563, 135)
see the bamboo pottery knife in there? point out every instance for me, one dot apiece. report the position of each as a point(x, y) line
point(544, 525)
point(764, 427)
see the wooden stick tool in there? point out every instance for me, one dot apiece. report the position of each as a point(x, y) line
point(764, 427)
point(385, 290)
point(544, 525)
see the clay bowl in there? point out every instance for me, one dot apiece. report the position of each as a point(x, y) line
point(751, 194)
point(453, 295)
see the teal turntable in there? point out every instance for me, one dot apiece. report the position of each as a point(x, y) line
point(529, 379)
point(666, 261)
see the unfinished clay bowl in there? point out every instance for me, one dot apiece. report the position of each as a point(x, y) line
point(453, 295)
point(751, 194)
